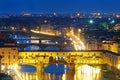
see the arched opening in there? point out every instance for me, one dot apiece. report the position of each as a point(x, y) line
point(102, 38)
point(56, 69)
point(51, 59)
point(19, 49)
point(23, 41)
point(52, 48)
point(27, 68)
point(58, 58)
point(32, 47)
point(68, 48)
point(63, 58)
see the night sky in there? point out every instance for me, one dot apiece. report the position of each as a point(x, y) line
point(59, 6)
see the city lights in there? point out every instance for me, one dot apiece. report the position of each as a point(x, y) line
point(91, 21)
point(118, 66)
point(112, 22)
point(60, 40)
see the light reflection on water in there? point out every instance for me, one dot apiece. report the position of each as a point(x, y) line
point(86, 72)
point(83, 72)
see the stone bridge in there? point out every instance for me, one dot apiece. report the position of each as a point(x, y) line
point(94, 57)
point(43, 46)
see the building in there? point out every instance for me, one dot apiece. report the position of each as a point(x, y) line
point(8, 51)
point(46, 28)
point(3, 36)
point(10, 57)
point(111, 46)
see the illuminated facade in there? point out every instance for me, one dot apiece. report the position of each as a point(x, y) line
point(117, 27)
point(8, 51)
point(111, 46)
point(46, 30)
point(97, 57)
point(10, 57)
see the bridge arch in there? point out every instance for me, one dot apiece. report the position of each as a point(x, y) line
point(102, 38)
point(52, 48)
point(57, 59)
point(19, 49)
point(21, 33)
point(68, 48)
point(32, 47)
point(27, 68)
point(51, 58)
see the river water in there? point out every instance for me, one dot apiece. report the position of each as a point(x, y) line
point(84, 72)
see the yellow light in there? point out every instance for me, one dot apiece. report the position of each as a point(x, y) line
point(56, 42)
point(97, 71)
point(98, 14)
point(118, 66)
point(17, 72)
point(15, 66)
point(42, 32)
point(45, 21)
point(65, 42)
point(2, 67)
point(86, 72)
point(79, 30)
point(78, 14)
point(64, 77)
point(24, 29)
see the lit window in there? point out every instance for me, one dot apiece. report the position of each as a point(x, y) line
point(14, 56)
point(9, 56)
point(2, 52)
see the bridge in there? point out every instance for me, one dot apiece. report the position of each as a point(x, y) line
point(43, 43)
point(28, 34)
point(44, 46)
point(71, 58)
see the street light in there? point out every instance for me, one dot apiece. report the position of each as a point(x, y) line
point(79, 31)
point(91, 21)
point(0, 62)
point(112, 22)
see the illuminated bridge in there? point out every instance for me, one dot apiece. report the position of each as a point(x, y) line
point(70, 58)
point(42, 44)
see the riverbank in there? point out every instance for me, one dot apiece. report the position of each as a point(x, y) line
point(109, 75)
point(5, 77)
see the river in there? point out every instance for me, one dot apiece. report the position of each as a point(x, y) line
point(84, 72)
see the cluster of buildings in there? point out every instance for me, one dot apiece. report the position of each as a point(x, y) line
point(46, 29)
point(10, 56)
point(103, 43)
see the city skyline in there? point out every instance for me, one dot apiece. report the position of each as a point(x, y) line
point(58, 6)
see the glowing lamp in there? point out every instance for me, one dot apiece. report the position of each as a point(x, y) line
point(91, 21)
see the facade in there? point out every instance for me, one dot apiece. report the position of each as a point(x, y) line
point(8, 52)
point(46, 28)
point(111, 46)
point(10, 57)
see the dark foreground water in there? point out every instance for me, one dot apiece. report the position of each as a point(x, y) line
point(61, 72)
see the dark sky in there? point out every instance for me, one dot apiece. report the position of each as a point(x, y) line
point(65, 6)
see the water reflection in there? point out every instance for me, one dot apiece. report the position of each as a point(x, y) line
point(84, 72)
point(58, 69)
